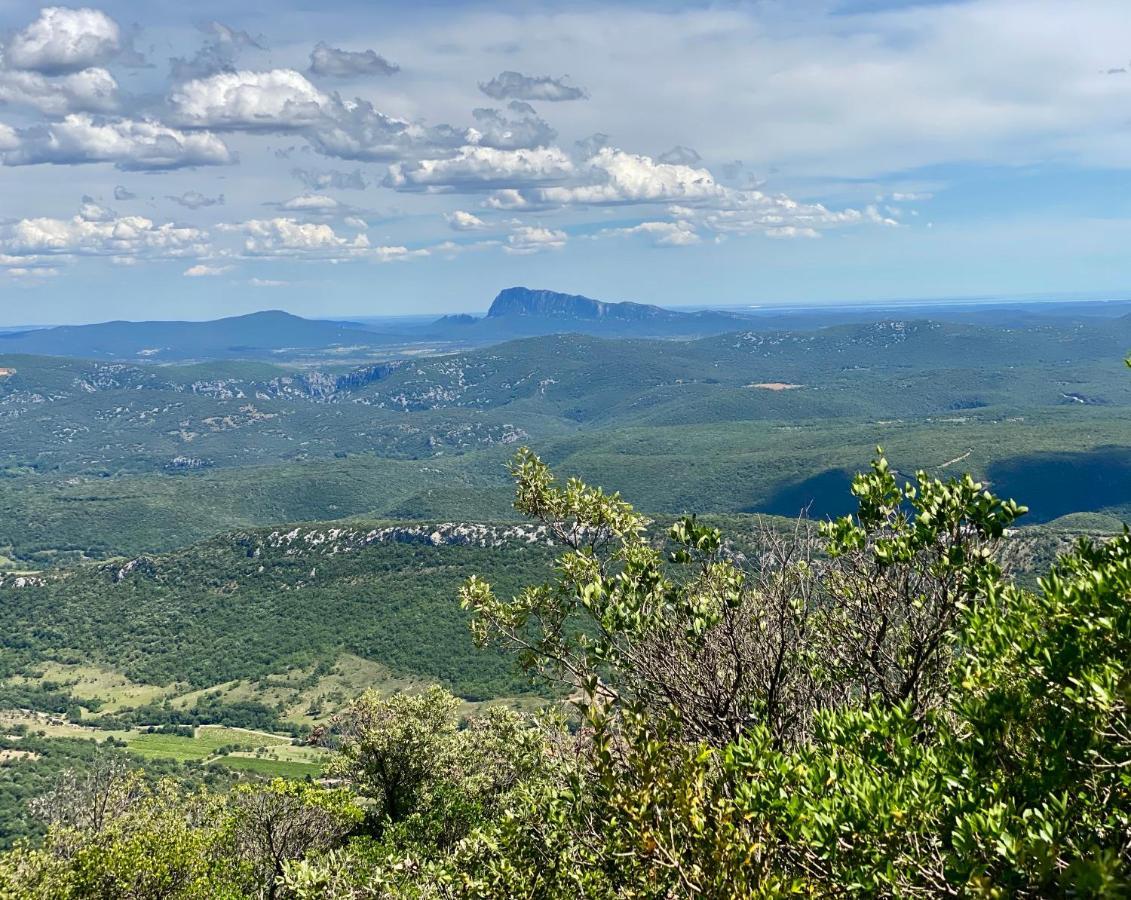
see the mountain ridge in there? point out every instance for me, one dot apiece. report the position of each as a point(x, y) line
point(516, 313)
point(521, 312)
point(262, 333)
point(523, 301)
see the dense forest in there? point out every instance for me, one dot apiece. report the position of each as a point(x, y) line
point(866, 706)
point(109, 458)
point(440, 681)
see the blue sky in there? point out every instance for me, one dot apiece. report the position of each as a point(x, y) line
point(175, 160)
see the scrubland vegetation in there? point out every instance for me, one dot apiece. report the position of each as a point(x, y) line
point(866, 707)
point(907, 691)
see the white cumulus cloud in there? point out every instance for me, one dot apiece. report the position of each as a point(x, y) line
point(516, 86)
point(128, 143)
point(195, 200)
point(528, 239)
point(354, 129)
point(128, 236)
point(94, 212)
point(506, 198)
point(291, 238)
point(659, 234)
point(200, 270)
point(619, 177)
point(90, 90)
point(524, 128)
point(275, 100)
point(285, 235)
point(311, 203)
point(64, 40)
point(334, 63)
point(482, 168)
point(461, 220)
point(776, 215)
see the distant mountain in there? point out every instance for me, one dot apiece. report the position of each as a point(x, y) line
point(456, 319)
point(258, 335)
point(797, 374)
point(520, 301)
point(525, 312)
point(517, 312)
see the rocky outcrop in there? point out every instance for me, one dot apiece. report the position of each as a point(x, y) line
point(520, 301)
point(21, 581)
point(330, 541)
point(142, 565)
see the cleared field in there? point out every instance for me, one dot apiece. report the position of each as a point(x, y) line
point(112, 690)
point(310, 694)
point(56, 726)
point(310, 698)
point(207, 742)
point(167, 746)
point(272, 767)
point(212, 743)
point(222, 735)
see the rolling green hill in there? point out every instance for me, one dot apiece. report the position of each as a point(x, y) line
point(254, 627)
point(251, 604)
point(102, 458)
point(146, 595)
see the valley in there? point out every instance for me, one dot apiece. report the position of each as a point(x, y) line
point(283, 534)
point(123, 458)
point(565, 451)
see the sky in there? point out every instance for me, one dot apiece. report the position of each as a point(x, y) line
point(164, 160)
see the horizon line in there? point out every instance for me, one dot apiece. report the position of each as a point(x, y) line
point(753, 309)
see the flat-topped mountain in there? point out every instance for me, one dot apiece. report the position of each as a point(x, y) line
point(276, 335)
point(527, 312)
point(521, 301)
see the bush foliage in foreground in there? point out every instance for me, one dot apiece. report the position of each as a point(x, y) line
point(869, 708)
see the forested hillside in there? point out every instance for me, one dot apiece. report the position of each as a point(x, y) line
point(751, 725)
point(247, 605)
point(161, 615)
point(752, 421)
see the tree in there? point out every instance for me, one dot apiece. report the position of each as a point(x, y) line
point(465, 782)
point(724, 641)
point(961, 736)
point(392, 749)
point(903, 569)
point(431, 781)
point(1046, 688)
point(87, 801)
point(286, 820)
point(165, 843)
